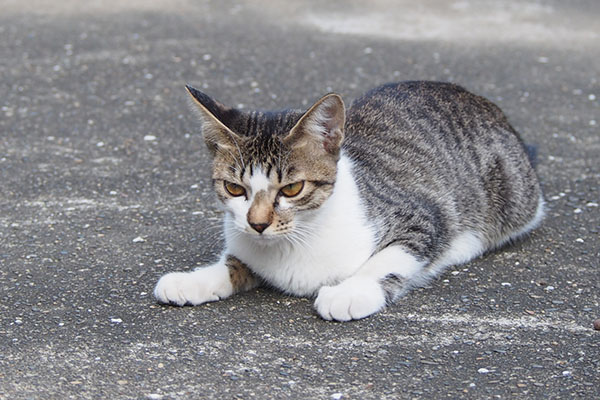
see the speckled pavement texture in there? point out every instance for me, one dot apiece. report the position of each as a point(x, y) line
point(104, 187)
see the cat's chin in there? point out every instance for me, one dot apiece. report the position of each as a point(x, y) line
point(265, 239)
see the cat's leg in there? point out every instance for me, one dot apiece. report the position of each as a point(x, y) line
point(379, 281)
point(532, 224)
point(212, 283)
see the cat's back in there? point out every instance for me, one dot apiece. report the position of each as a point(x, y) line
point(420, 106)
point(435, 125)
point(439, 147)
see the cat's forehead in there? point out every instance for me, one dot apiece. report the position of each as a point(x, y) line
point(261, 176)
point(265, 123)
point(262, 156)
point(259, 180)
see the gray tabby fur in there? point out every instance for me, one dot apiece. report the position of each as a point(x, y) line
point(433, 161)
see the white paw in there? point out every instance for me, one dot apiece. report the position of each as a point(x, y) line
point(196, 287)
point(354, 298)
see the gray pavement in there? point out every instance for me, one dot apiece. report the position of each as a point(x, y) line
point(104, 186)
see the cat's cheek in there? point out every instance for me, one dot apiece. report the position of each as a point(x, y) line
point(238, 206)
point(284, 204)
point(354, 298)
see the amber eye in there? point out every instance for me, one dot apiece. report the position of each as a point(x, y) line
point(234, 189)
point(293, 189)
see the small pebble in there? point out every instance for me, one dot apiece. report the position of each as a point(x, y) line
point(597, 324)
point(483, 371)
point(138, 239)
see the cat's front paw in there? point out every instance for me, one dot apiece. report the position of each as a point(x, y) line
point(354, 298)
point(200, 286)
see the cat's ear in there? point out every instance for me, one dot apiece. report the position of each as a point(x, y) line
point(322, 124)
point(215, 118)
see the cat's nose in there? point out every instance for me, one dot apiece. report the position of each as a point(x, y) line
point(259, 227)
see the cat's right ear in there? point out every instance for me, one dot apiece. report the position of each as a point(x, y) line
point(214, 117)
point(322, 125)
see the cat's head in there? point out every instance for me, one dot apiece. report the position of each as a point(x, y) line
point(272, 170)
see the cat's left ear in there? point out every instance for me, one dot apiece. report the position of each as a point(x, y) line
point(322, 124)
point(216, 119)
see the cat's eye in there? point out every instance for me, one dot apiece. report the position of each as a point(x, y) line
point(293, 189)
point(234, 189)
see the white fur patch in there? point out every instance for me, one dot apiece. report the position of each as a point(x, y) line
point(200, 286)
point(239, 207)
point(354, 298)
point(391, 260)
point(284, 204)
point(463, 248)
point(259, 181)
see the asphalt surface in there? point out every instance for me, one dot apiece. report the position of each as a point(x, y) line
point(104, 187)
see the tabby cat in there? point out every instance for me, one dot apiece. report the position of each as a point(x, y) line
point(356, 207)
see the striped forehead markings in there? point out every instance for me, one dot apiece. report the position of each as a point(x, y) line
point(259, 180)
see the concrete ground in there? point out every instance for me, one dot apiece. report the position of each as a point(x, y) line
point(104, 187)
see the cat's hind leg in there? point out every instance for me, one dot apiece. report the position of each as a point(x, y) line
point(379, 281)
point(532, 224)
point(212, 283)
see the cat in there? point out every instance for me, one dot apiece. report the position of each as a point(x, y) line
point(355, 208)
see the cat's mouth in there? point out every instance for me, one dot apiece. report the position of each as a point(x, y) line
point(264, 238)
point(273, 238)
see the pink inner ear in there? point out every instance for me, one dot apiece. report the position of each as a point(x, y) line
point(329, 122)
point(322, 124)
point(330, 125)
point(331, 142)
